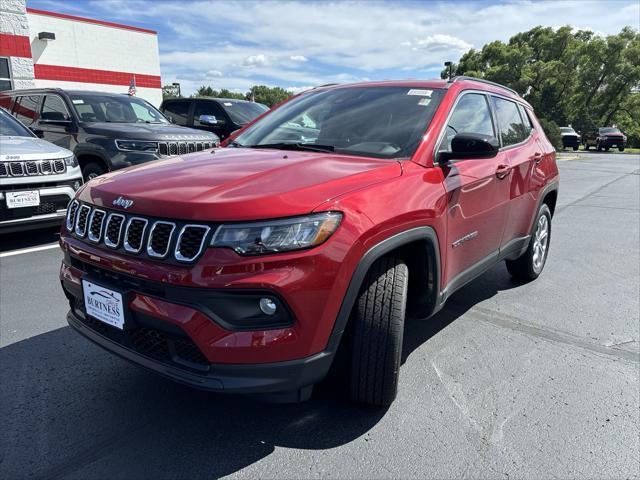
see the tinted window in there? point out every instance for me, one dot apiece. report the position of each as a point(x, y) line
point(606, 131)
point(53, 108)
point(470, 115)
point(510, 124)
point(242, 113)
point(382, 122)
point(5, 77)
point(178, 112)
point(207, 108)
point(528, 126)
point(9, 126)
point(25, 109)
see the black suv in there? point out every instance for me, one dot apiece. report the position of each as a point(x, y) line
point(106, 131)
point(221, 116)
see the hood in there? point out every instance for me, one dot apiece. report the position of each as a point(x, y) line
point(29, 148)
point(237, 183)
point(147, 131)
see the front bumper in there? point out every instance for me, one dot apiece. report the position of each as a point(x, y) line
point(612, 142)
point(50, 212)
point(291, 376)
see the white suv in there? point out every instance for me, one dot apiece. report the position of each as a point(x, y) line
point(37, 178)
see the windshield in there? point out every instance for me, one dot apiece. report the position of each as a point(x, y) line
point(609, 130)
point(115, 108)
point(242, 113)
point(382, 122)
point(10, 127)
point(567, 130)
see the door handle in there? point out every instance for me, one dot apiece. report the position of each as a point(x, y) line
point(502, 171)
point(537, 157)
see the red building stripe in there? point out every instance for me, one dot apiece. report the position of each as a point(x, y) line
point(89, 75)
point(14, 45)
point(75, 18)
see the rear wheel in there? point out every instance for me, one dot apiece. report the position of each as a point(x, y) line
point(530, 264)
point(92, 170)
point(621, 149)
point(606, 149)
point(378, 329)
point(586, 147)
point(575, 147)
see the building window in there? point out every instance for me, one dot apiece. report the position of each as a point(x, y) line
point(5, 74)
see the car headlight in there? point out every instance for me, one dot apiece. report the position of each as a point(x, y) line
point(273, 236)
point(71, 161)
point(136, 146)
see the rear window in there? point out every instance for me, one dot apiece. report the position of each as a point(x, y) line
point(242, 113)
point(512, 129)
point(25, 108)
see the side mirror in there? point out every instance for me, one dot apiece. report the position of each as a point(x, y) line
point(467, 146)
point(62, 123)
point(210, 120)
point(38, 132)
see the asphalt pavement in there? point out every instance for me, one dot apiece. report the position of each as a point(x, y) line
point(538, 380)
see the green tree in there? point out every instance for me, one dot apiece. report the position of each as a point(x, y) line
point(569, 77)
point(269, 96)
point(207, 91)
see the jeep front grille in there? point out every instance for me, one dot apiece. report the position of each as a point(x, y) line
point(135, 235)
point(32, 168)
point(170, 148)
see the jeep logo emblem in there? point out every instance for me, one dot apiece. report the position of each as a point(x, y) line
point(122, 202)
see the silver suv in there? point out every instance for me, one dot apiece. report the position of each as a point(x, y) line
point(37, 178)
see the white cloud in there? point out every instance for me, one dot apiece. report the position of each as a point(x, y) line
point(259, 60)
point(438, 41)
point(298, 58)
point(295, 90)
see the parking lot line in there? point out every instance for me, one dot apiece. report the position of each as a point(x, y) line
point(28, 250)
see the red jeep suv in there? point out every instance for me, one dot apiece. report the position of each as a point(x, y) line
point(242, 269)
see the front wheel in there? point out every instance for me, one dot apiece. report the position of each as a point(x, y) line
point(621, 149)
point(378, 329)
point(92, 170)
point(575, 148)
point(586, 147)
point(530, 264)
point(606, 149)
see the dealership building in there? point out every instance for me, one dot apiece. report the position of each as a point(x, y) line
point(48, 49)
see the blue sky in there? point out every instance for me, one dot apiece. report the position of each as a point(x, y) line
point(297, 45)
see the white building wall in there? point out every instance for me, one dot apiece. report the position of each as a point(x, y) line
point(13, 21)
point(151, 95)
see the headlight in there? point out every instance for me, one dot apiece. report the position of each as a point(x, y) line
point(136, 146)
point(272, 236)
point(71, 161)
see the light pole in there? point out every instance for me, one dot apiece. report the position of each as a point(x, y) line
point(448, 65)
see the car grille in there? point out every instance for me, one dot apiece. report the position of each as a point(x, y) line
point(31, 168)
point(131, 234)
point(169, 148)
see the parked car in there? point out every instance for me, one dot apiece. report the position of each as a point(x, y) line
point(570, 138)
point(37, 178)
point(605, 138)
point(106, 131)
point(316, 228)
point(221, 116)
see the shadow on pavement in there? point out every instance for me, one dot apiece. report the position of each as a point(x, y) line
point(69, 409)
point(29, 238)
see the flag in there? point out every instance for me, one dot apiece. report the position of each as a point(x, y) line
point(132, 86)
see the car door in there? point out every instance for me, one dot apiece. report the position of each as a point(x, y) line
point(55, 121)
point(477, 191)
point(523, 152)
point(212, 109)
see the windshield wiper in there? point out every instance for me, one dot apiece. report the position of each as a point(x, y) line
point(312, 147)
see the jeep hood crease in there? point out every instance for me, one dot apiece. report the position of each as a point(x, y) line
point(238, 184)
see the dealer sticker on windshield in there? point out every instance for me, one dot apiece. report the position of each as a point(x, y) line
point(422, 93)
point(103, 304)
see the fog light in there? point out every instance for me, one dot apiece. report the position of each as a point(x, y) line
point(267, 306)
point(77, 184)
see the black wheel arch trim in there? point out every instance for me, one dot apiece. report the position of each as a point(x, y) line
point(424, 233)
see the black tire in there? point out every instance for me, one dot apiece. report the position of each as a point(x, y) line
point(376, 343)
point(606, 149)
point(525, 267)
point(575, 148)
point(598, 147)
point(586, 147)
point(92, 170)
point(621, 149)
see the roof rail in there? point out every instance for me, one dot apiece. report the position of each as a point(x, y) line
point(475, 79)
point(325, 85)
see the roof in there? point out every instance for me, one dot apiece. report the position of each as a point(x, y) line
point(103, 23)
